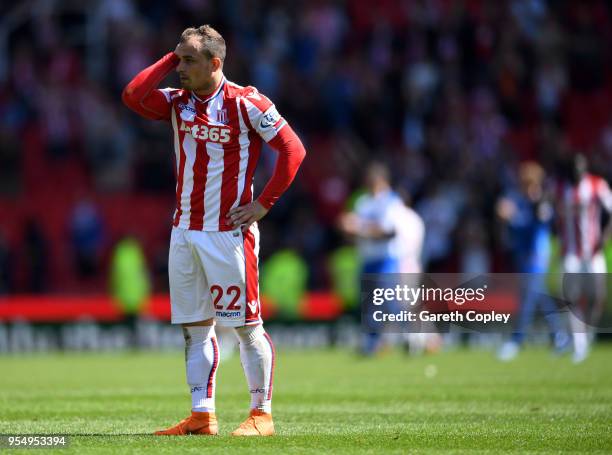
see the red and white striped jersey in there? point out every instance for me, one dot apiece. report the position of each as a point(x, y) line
point(580, 215)
point(217, 142)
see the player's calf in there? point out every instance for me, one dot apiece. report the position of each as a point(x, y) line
point(258, 359)
point(202, 361)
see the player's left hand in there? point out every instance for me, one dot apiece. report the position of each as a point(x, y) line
point(246, 215)
point(348, 223)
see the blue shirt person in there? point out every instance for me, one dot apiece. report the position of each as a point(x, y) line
point(527, 216)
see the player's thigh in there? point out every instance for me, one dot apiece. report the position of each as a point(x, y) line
point(189, 295)
point(573, 279)
point(230, 261)
point(572, 264)
point(598, 264)
point(598, 270)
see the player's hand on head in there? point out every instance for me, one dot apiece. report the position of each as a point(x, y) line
point(246, 215)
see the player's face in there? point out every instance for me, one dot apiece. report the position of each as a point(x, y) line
point(580, 167)
point(195, 69)
point(532, 189)
point(375, 180)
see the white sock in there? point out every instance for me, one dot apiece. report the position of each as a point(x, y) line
point(581, 343)
point(258, 358)
point(202, 361)
point(579, 333)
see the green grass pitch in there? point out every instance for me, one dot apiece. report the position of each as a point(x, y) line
point(324, 402)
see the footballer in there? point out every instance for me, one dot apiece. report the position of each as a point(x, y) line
point(218, 128)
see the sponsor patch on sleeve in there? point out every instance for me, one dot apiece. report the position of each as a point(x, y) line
point(270, 117)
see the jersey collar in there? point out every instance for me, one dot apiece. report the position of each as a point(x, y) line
point(213, 95)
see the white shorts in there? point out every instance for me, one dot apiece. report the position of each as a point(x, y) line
point(215, 275)
point(574, 264)
point(585, 278)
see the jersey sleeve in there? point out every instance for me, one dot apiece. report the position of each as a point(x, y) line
point(291, 153)
point(141, 94)
point(263, 115)
point(605, 194)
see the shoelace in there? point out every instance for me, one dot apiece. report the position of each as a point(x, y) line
point(180, 426)
point(246, 424)
point(185, 422)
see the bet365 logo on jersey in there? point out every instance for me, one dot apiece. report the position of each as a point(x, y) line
point(220, 134)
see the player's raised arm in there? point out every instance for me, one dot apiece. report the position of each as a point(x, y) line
point(141, 94)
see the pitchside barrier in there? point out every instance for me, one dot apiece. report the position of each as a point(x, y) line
point(391, 303)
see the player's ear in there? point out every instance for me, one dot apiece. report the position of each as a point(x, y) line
point(216, 63)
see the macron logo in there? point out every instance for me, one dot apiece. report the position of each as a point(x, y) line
point(253, 306)
point(185, 107)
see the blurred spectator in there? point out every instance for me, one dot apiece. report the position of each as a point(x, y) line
point(376, 225)
point(475, 258)
point(10, 161)
point(87, 238)
point(440, 210)
point(36, 257)
point(344, 264)
point(550, 85)
point(283, 281)
point(6, 266)
point(527, 213)
point(108, 144)
point(586, 49)
point(130, 283)
point(411, 236)
point(450, 92)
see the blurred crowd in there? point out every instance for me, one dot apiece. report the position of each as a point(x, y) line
point(451, 94)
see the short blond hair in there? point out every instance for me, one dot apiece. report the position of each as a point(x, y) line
point(211, 41)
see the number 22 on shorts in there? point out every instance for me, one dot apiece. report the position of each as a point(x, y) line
point(217, 293)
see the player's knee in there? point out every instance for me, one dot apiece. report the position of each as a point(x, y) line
point(197, 335)
point(187, 337)
point(248, 334)
point(204, 323)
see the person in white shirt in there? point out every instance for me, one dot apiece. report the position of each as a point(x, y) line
point(388, 234)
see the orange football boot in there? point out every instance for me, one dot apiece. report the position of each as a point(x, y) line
point(259, 423)
point(204, 423)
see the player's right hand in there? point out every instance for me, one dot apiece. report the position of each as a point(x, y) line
point(505, 209)
point(247, 214)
